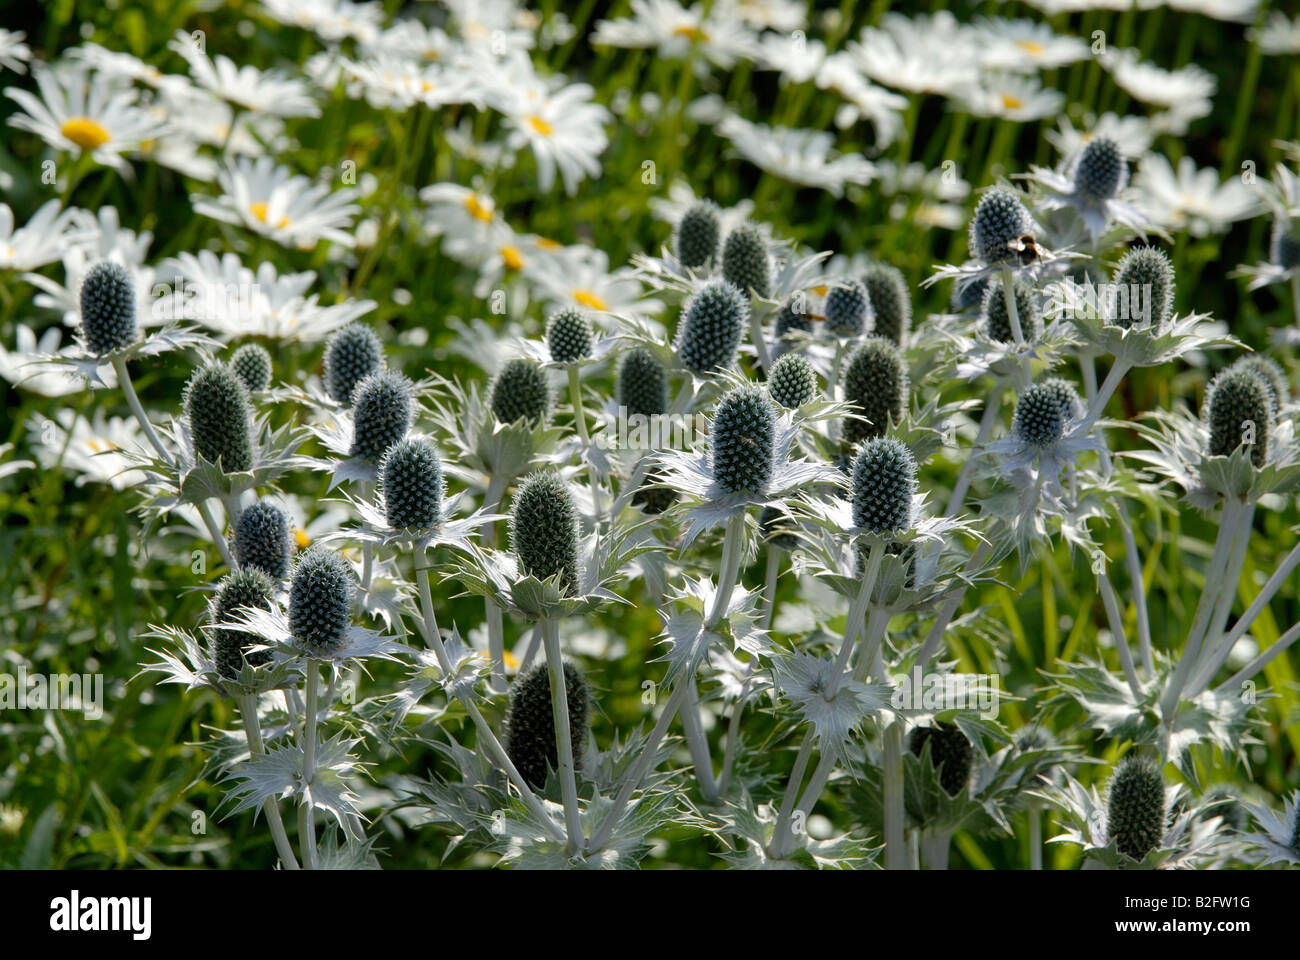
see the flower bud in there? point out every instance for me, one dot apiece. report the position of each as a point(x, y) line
point(320, 598)
point(746, 262)
point(875, 382)
point(1136, 813)
point(950, 753)
point(642, 386)
point(999, 219)
point(381, 414)
point(847, 308)
point(883, 483)
point(351, 354)
point(791, 381)
point(410, 477)
point(1043, 411)
point(1100, 170)
point(997, 322)
point(107, 308)
point(742, 438)
point(530, 722)
point(1147, 269)
point(251, 363)
point(712, 325)
point(220, 418)
point(697, 235)
point(568, 335)
point(262, 539)
point(890, 303)
point(1239, 410)
point(544, 530)
point(520, 392)
point(236, 594)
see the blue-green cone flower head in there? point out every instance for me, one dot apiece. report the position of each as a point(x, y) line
point(642, 385)
point(262, 539)
point(530, 722)
point(568, 335)
point(1044, 410)
point(746, 261)
point(969, 295)
point(1147, 270)
point(999, 219)
point(107, 308)
point(697, 235)
point(381, 414)
point(320, 598)
point(1135, 818)
point(774, 526)
point(792, 382)
point(252, 364)
point(411, 480)
point(883, 484)
point(996, 320)
point(520, 391)
point(950, 753)
point(742, 439)
point(792, 316)
point(220, 417)
point(712, 325)
point(1100, 171)
point(875, 382)
point(847, 308)
point(1239, 411)
point(351, 354)
point(1273, 376)
point(1284, 250)
point(544, 530)
point(890, 303)
point(237, 593)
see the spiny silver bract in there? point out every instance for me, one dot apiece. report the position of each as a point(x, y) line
point(238, 592)
point(1135, 818)
point(746, 261)
point(320, 598)
point(950, 753)
point(890, 303)
point(876, 382)
point(713, 322)
point(351, 354)
point(1043, 411)
point(792, 381)
point(544, 530)
point(530, 722)
point(847, 308)
point(742, 438)
point(1148, 270)
point(883, 482)
point(411, 480)
point(1101, 170)
point(999, 219)
point(697, 234)
point(1239, 410)
point(774, 527)
point(520, 391)
point(997, 322)
point(568, 335)
point(381, 413)
point(252, 364)
point(107, 308)
point(262, 539)
point(642, 385)
point(220, 417)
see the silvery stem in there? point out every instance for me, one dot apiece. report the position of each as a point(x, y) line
point(892, 785)
point(1116, 622)
point(563, 735)
point(253, 732)
point(307, 814)
point(733, 549)
point(962, 486)
point(1262, 661)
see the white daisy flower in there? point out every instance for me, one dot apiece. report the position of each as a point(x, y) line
point(14, 54)
point(942, 197)
point(1053, 7)
point(199, 116)
point(681, 197)
point(270, 91)
point(1026, 45)
point(101, 450)
point(19, 366)
point(806, 157)
point(497, 25)
point(925, 54)
point(112, 63)
point(388, 81)
point(1278, 36)
point(1009, 96)
point(1193, 199)
point(331, 20)
point(798, 59)
point(43, 240)
point(412, 40)
point(883, 108)
point(1235, 11)
point(783, 16)
point(1133, 135)
point(277, 203)
point(580, 276)
point(462, 217)
point(1185, 91)
point(673, 31)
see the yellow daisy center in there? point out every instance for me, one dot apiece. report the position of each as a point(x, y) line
point(589, 299)
point(1011, 103)
point(477, 210)
point(301, 538)
point(84, 132)
point(514, 260)
point(694, 33)
point(540, 125)
point(259, 210)
point(1030, 47)
point(546, 243)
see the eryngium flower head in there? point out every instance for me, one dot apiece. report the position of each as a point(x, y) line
point(1101, 169)
point(237, 592)
point(890, 303)
point(320, 598)
point(411, 479)
point(1239, 410)
point(544, 530)
point(789, 319)
point(1285, 248)
point(1271, 372)
point(520, 392)
point(713, 322)
point(262, 539)
point(220, 417)
point(997, 322)
point(950, 754)
point(746, 261)
point(999, 219)
point(1147, 269)
point(791, 381)
point(697, 234)
point(642, 386)
point(252, 364)
point(774, 527)
point(876, 381)
point(742, 438)
point(107, 308)
point(846, 308)
point(568, 335)
point(1136, 813)
point(351, 354)
point(530, 722)
point(1043, 411)
point(970, 295)
point(381, 413)
point(884, 482)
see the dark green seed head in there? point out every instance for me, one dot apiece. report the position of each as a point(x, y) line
point(774, 525)
point(847, 308)
point(792, 381)
point(252, 364)
point(950, 753)
point(237, 593)
point(1147, 270)
point(1101, 169)
point(521, 392)
point(884, 482)
point(999, 219)
point(410, 477)
point(746, 261)
point(351, 354)
point(1239, 410)
point(875, 382)
point(642, 385)
point(697, 235)
point(742, 438)
point(1274, 377)
point(1136, 813)
point(652, 498)
point(262, 539)
point(530, 722)
point(1043, 411)
point(381, 414)
point(890, 302)
point(107, 308)
point(320, 598)
point(544, 530)
point(712, 324)
point(220, 417)
point(997, 322)
point(1285, 248)
point(568, 335)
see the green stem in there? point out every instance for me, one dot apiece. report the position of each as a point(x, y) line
point(307, 813)
point(892, 787)
point(253, 733)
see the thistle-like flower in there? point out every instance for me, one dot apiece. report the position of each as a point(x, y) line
point(1239, 411)
point(742, 438)
point(544, 530)
point(351, 354)
point(642, 385)
point(1136, 811)
point(251, 363)
point(792, 381)
point(520, 392)
point(950, 753)
point(746, 262)
point(1271, 373)
point(1093, 184)
point(791, 317)
point(996, 320)
point(262, 539)
point(1044, 410)
point(875, 382)
point(107, 308)
point(697, 234)
point(713, 322)
point(381, 414)
point(847, 308)
point(1100, 170)
point(530, 722)
point(412, 484)
point(239, 591)
point(891, 305)
point(1146, 269)
point(220, 417)
point(320, 598)
point(884, 483)
point(568, 335)
point(1000, 220)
